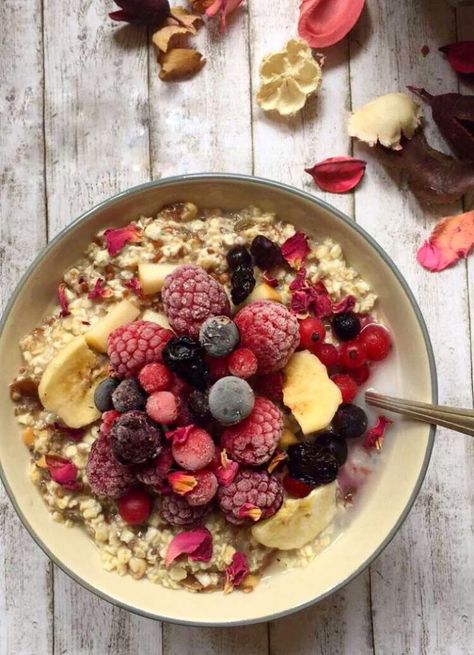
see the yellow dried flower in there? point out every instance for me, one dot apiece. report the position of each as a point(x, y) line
point(288, 78)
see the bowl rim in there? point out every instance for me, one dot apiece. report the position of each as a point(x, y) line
point(248, 179)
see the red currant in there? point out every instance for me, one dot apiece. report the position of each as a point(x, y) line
point(135, 507)
point(242, 363)
point(296, 488)
point(312, 333)
point(361, 374)
point(352, 354)
point(327, 354)
point(218, 367)
point(347, 386)
point(377, 341)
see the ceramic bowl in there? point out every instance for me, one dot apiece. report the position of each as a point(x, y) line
point(409, 373)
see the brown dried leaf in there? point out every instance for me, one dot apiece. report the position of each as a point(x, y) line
point(180, 62)
point(185, 18)
point(162, 38)
point(200, 5)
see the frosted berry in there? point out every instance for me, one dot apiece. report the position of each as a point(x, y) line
point(333, 443)
point(196, 452)
point(218, 367)
point(204, 491)
point(108, 419)
point(350, 421)
point(132, 346)
point(103, 394)
point(106, 476)
point(177, 511)
point(135, 439)
point(250, 489)
point(155, 377)
point(190, 296)
point(238, 256)
point(346, 326)
point(128, 396)
point(347, 386)
point(135, 507)
point(271, 331)
point(219, 336)
point(327, 354)
point(231, 400)
point(311, 463)
point(312, 333)
point(198, 403)
point(377, 341)
point(352, 354)
point(162, 407)
point(242, 363)
point(266, 253)
point(154, 474)
point(270, 386)
point(184, 356)
point(254, 440)
point(242, 284)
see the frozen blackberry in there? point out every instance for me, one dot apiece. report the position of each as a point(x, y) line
point(311, 463)
point(346, 326)
point(219, 336)
point(266, 253)
point(334, 444)
point(128, 396)
point(242, 284)
point(350, 421)
point(198, 403)
point(103, 394)
point(184, 356)
point(177, 511)
point(239, 256)
point(135, 439)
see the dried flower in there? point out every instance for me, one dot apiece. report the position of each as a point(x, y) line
point(223, 8)
point(236, 572)
point(99, 290)
point(451, 239)
point(180, 22)
point(338, 174)
point(227, 471)
point(201, 5)
point(195, 543)
point(181, 482)
point(295, 249)
point(375, 436)
point(346, 304)
point(385, 120)
point(460, 55)
point(180, 62)
point(117, 239)
point(180, 435)
point(134, 285)
point(62, 471)
point(288, 78)
point(143, 12)
point(323, 23)
point(63, 301)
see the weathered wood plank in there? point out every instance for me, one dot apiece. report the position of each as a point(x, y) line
point(25, 573)
point(248, 640)
point(420, 585)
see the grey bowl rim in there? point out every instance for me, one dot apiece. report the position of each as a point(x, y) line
point(248, 179)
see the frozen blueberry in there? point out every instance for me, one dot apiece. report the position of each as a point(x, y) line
point(128, 396)
point(346, 326)
point(219, 336)
point(231, 400)
point(350, 421)
point(103, 394)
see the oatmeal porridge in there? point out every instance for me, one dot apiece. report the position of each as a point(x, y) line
point(189, 402)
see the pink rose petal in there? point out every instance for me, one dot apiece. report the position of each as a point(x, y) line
point(99, 291)
point(375, 436)
point(180, 435)
point(323, 23)
point(236, 572)
point(63, 301)
point(181, 482)
point(195, 543)
point(344, 305)
point(62, 471)
point(227, 471)
point(451, 240)
point(117, 239)
point(295, 249)
point(135, 286)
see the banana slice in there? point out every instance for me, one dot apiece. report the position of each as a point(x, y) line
point(299, 520)
point(68, 384)
point(156, 317)
point(152, 276)
point(120, 314)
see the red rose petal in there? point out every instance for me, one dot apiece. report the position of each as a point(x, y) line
point(344, 305)
point(180, 435)
point(451, 240)
point(236, 572)
point(338, 174)
point(271, 281)
point(375, 436)
point(325, 22)
point(117, 239)
point(295, 249)
point(227, 470)
point(62, 471)
point(460, 55)
point(306, 297)
point(63, 301)
point(195, 543)
point(99, 291)
point(250, 511)
point(135, 286)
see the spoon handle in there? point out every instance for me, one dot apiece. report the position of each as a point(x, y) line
point(461, 420)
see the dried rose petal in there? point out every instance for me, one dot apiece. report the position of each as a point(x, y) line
point(62, 471)
point(460, 55)
point(224, 8)
point(271, 281)
point(321, 305)
point(180, 435)
point(451, 239)
point(375, 436)
point(135, 286)
point(324, 23)
point(75, 434)
point(195, 543)
point(306, 297)
point(276, 460)
point(163, 37)
point(63, 301)
point(226, 472)
point(191, 21)
point(117, 239)
point(295, 249)
point(143, 12)
point(250, 511)
point(338, 174)
point(99, 290)
point(181, 482)
point(236, 572)
point(344, 305)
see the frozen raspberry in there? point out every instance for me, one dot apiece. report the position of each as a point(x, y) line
point(106, 476)
point(162, 407)
point(155, 377)
point(251, 491)
point(108, 419)
point(134, 438)
point(195, 452)
point(132, 346)
point(271, 331)
point(190, 296)
point(154, 474)
point(242, 363)
point(270, 386)
point(254, 440)
point(176, 510)
point(204, 491)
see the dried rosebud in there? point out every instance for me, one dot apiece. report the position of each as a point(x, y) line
point(117, 239)
point(181, 482)
point(460, 55)
point(195, 543)
point(323, 24)
point(338, 174)
point(236, 572)
point(180, 435)
point(62, 471)
point(63, 301)
point(143, 12)
point(451, 239)
point(375, 436)
point(295, 249)
point(346, 304)
point(223, 8)
point(180, 62)
point(99, 291)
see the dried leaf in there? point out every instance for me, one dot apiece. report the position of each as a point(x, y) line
point(117, 239)
point(62, 471)
point(63, 301)
point(99, 290)
point(451, 239)
point(460, 55)
point(236, 572)
point(195, 543)
point(324, 23)
point(180, 62)
point(163, 36)
point(338, 174)
point(375, 436)
point(223, 8)
point(201, 5)
point(181, 482)
point(295, 249)
point(144, 12)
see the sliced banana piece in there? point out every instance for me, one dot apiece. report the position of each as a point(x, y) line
point(68, 384)
point(156, 317)
point(299, 520)
point(263, 291)
point(120, 314)
point(152, 276)
point(309, 392)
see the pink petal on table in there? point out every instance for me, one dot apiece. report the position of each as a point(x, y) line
point(451, 240)
point(224, 7)
point(195, 543)
point(338, 174)
point(460, 56)
point(325, 22)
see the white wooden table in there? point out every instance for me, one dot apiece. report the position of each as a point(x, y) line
point(84, 115)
